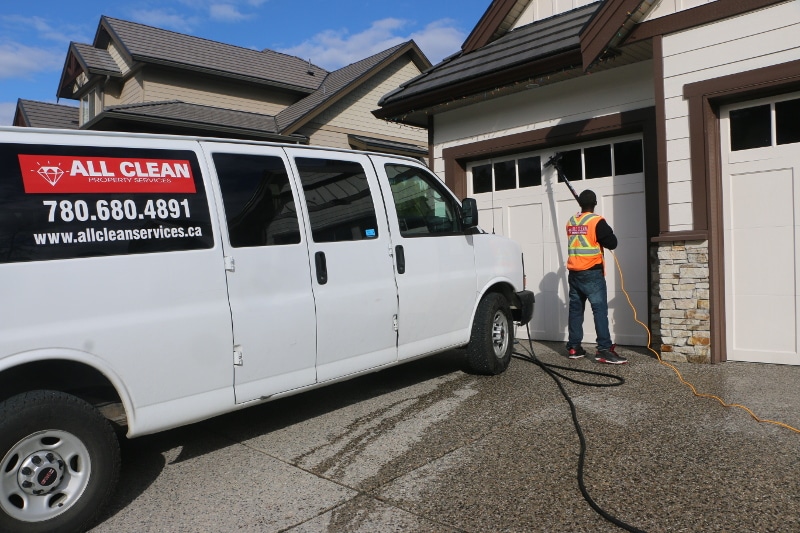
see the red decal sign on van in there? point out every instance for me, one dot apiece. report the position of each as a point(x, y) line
point(48, 174)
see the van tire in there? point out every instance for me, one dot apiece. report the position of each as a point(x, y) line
point(492, 340)
point(59, 463)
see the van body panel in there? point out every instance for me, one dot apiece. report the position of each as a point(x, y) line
point(164, 323)
point(269, 285)
point(347, 226)
point(439, 273)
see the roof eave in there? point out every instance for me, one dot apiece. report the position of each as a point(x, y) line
point(406, 107)
point(127, 117)
point(609, 27)
point(411, 47)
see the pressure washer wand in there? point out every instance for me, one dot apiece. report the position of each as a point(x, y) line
point(555, 161)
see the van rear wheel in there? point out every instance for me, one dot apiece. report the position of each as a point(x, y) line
point(492, 339)
point(60, 463)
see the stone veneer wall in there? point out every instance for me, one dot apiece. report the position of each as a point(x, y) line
point(680, 289)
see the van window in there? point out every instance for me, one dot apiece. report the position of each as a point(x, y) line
point(259, 205)
point(60, 202)
point(338, 198)
point(423, 207)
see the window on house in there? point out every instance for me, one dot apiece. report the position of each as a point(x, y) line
point(787, 121)
point(571, 165)
point(481, 179)
point(505, 175)
point(598, 161)
point(530, 171)
point(751, 127)
point(628, 158)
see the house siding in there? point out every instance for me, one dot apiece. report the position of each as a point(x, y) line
point(133, 90)
point(353, 113)
point(161, 86)
point(124, 65)
point(623, 89)
point(670, 7)
point(542, 9)
point(726, 47)
point(762, 38)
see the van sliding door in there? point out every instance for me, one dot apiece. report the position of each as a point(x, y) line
point(267, 269)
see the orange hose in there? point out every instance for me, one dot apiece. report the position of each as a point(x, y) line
point(677, 372)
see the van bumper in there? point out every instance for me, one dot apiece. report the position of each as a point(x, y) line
point(524, 303)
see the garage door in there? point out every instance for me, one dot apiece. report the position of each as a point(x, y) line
point(761, 194)
point(519, 198)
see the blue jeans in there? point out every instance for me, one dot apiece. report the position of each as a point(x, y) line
point(588, 285)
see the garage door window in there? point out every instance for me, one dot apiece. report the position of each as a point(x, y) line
point(765, 125)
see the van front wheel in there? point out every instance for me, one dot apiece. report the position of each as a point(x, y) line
point(492, 340)
point(60, 462)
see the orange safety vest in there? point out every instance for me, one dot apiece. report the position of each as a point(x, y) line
point(582, 246)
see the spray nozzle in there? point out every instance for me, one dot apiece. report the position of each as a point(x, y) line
point(555, 160)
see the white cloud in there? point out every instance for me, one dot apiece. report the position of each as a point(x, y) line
point(161, 18)
point(20, 61)
point(7, 110)
point(226, 13)
point(333, 49)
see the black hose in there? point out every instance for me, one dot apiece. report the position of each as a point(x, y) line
point(557, 377)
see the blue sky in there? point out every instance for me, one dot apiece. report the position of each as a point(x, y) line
point(35, 34)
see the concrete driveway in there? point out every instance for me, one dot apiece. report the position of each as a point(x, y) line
point(425, 447)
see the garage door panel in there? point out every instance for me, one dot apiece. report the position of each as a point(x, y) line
point(762, 199)
point(536, 218)
point(761, 265)
point(765, 322)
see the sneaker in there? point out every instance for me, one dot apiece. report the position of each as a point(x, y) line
point(610, 356)
point(575, 352)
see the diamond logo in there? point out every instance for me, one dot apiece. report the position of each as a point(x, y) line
point(51, 174)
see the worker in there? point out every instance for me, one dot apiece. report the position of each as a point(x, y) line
point(587, 235)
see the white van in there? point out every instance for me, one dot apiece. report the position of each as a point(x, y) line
point(148, 282)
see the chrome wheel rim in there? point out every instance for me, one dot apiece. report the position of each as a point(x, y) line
point(43, 475)
point(500, 335)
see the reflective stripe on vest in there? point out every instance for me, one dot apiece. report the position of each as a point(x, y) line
point(582, 246)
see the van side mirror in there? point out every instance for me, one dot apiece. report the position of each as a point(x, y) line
point(469, 213)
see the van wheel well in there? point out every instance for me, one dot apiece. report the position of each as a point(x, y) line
point(70, 377)
point(508, 293)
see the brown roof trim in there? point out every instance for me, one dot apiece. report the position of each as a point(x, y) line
point(696, 16)
point(491, 20)
point(705, 98)
point(411, 48)
point(602, 28)
point(489, 81)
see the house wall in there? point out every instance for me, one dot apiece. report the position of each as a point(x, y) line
point(123, 64)
point(353, 113)
point(726, 47)
point(668, 7)
point(131, 92)
point(614, 91)
point(542, 9)
point(160, 85)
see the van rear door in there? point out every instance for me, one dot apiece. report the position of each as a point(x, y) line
point(267, 268)
point(352, 272)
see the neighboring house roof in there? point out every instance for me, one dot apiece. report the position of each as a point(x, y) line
point(339, 83)
point(35, 114)
point(528, 52)
point(154, 45)
point(95, 60)
point(361, 142)
point(182, 115)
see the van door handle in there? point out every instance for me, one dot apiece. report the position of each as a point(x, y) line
point(400, 256)
point(322, 268)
